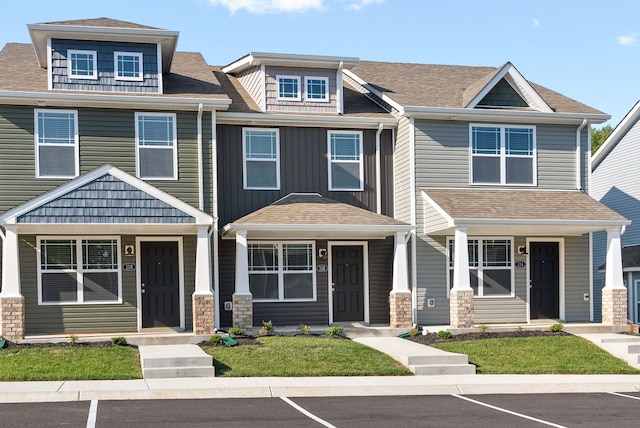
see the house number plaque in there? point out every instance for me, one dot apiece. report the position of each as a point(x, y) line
point(520, 264)
point(321, 268)
point(129, 266)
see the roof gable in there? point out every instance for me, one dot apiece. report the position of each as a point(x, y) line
point(630, 119)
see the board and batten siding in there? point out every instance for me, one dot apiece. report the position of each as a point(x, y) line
point(303, 169)
point(105, 136)
point(380, 279)
point(302, 106)
point(614, 182)
point(105, 81)
point(252, 81)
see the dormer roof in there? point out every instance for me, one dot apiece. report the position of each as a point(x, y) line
point(102, 29)
point(253, 59)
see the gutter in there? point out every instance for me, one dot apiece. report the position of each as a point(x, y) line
point(578, 154)
point(233, 118)
point(378, 171)
point(200, 165)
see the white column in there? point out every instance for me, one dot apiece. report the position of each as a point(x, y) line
point(242, 265)
point(613, 278)
point(461, 261)
point(400, 269)
point(10, 264)
point(203, 262)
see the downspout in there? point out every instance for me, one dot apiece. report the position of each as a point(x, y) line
point(579, 155)
point(214, 230)
point(378, 171)
point(2, 235)
point(340, 98)
point(200, 163)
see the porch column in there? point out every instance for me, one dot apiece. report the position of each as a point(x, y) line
point(202, 299)
point(400, 296)
point(11, 300)
point(614, 293)
point(461, 311)
point(242, 299)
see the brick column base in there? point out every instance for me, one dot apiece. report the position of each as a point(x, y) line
point(400, 309)
point(12, 317)
point(203, 314)
point(614, 306)
point(243, 311)
point(461, 310)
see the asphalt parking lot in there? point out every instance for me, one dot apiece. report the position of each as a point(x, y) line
point(522, 410)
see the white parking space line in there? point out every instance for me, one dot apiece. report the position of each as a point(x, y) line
point(307, 413)
point(93, 412)
point(633, 397)
point(551, 424)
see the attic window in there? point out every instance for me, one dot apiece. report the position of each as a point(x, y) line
point(316, 88)
point(82, 64)
point(503, 95)
point(288, 88)
point(128, 65)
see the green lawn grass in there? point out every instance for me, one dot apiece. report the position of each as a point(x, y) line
point(538, 355)
point(303, 356)
point(69, 363)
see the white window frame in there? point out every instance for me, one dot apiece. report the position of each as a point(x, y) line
point(503, 155)
point(280, 97)
point(80, 271)
point(245, 159)
point(76, 151)
point(281, 272)
point(360, 161)
point(94, 54)
point(480, 268)
point(174, 145)
point(116, 68)
point(325, 99)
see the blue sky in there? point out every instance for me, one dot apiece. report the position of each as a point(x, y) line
point(588, 50)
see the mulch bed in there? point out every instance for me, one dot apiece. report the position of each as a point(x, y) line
point(252, 340)
point(104, 344)
point(431, 338)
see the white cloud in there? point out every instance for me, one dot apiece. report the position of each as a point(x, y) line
point(628, 40)
point(269, 6)
point(536, 23)
point(362, 3)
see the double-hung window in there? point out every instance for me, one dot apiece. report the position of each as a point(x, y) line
point(316, 88)
point(77, 271)
point(491, 271)
point(282, 271)
point(56, 139)
point(261, 152)
point(128, 65)
point(288, 88)
point(346, 169)
point(156, 146)
point(82, 64)
point(503, 154)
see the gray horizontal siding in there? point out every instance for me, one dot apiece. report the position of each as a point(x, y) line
point(576, 257)
point(106, 80)
point(303, 106)
point(251, 80)
point(402, 175)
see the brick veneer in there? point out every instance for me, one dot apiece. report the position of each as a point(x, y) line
point(203, 314)
point(243, 311)
point(12, 317)
point(400, 309)
point(614, 306)
point(461, 309)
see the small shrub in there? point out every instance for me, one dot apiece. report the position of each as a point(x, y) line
point(556, 327)
point(236, 331)
point(483, 328)
point(266, 329)
point(520, 329)
point(442, 334)
point(414, 331)
point(120, 341)
point(334, 331)
point(216, 338)
point(304, 329)
point(73, 338)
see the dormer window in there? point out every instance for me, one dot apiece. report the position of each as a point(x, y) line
point(127, 65)
point(289, 88)
point(317, 88)
point(82, 64)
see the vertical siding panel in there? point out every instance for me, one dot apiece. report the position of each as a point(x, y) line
point(380, 279)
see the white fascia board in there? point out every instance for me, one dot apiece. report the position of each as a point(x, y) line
point(467, 115)
point(158, 102)
point(40, 33)
point(374, 91)
point(623, 127)
point(10, 216)
point(289, 60)
point(233, 118)
point(536, 222)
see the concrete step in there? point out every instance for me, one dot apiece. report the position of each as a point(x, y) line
point(176, 339)
point(170, 361)
point(448, 358)
point(622, 339)
point(443, 369)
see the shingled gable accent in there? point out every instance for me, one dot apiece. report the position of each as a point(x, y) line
point(317, 216)
point(106, 195)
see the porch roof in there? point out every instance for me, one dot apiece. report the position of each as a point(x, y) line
point(309, 215)
point(516, 212)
